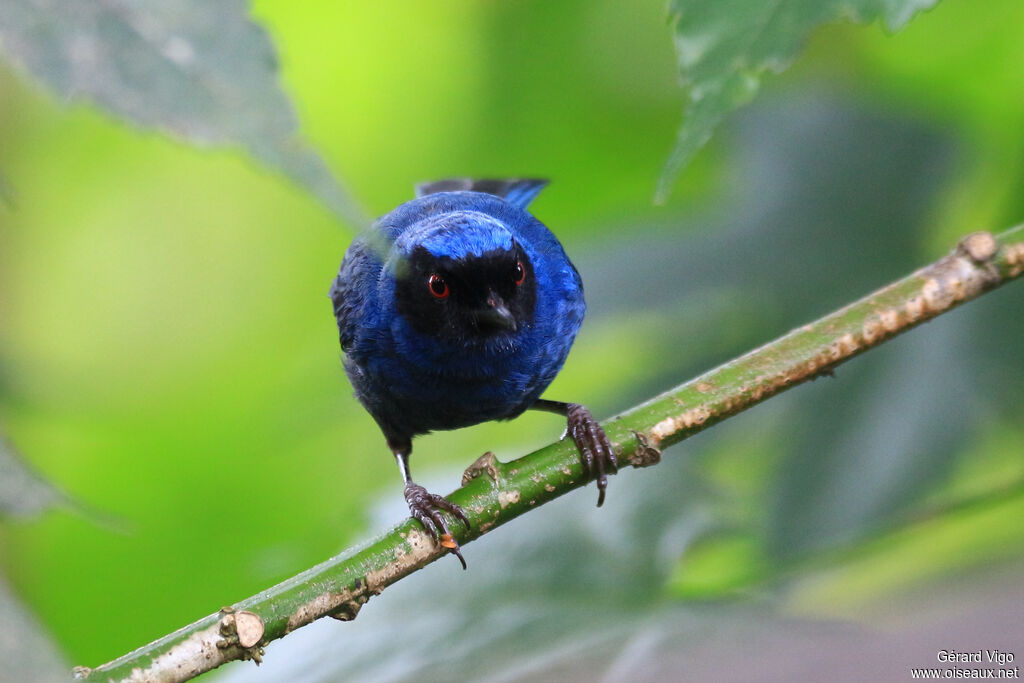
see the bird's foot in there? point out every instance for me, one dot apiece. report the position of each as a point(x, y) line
point(595, 449)
point(427, 507)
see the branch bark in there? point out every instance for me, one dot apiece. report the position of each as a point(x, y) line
point(494, 492)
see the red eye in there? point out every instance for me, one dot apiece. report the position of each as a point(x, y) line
point(520, 273)
point(438, 287)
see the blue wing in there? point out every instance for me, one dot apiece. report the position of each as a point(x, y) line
point(516, 191)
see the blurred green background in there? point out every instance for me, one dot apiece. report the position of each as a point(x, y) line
point(168, 357)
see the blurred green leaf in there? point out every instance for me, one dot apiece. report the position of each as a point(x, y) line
point(894, 437)
point(201, 71)
point(717, 566)
point(724, 48)
point(23, 492)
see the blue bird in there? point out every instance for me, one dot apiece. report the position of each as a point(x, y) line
point(460, 307)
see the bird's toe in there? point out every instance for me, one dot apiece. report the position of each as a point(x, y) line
point(595, 449)
point(428, 509)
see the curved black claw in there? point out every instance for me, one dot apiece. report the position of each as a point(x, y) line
point(595, 449)
point(427, 507)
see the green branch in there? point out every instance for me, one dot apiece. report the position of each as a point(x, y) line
point(494, 493)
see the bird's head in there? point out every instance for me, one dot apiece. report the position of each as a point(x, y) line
point(463, 276)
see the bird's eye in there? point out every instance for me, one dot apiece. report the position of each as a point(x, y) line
point(520, 273)
point(438, 287)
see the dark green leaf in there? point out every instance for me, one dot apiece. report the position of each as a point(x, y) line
point(724, 48)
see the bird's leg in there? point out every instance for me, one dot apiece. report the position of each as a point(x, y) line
point(427, 507)
point(595, 449)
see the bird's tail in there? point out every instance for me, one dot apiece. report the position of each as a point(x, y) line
point(516, 191)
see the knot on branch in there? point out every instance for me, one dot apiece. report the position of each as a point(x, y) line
point(645, 454)
point(980, 247)
point(1014, 258)
point(486, 465)
point(244, 629)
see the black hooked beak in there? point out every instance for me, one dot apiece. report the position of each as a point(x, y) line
point(496, 317)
